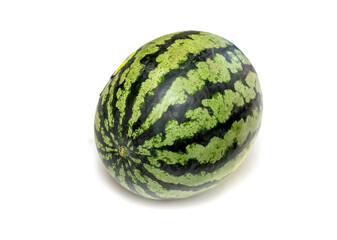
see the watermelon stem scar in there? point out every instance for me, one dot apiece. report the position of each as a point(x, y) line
point(122, 151)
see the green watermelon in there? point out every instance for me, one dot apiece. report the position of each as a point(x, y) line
point(179, 115)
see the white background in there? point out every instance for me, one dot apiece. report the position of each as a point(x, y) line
point(56, 57)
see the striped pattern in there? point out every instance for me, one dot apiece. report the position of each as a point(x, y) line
point(179, 116)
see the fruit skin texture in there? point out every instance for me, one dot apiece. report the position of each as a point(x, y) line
point(179, 116)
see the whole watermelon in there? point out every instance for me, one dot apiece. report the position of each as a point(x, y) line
point(179, 115)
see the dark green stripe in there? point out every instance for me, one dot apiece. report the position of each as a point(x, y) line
point(102, 112)
point(152, 100)
point(115, 110)
point(146, 189)
point(203, 137)
point(194, 167)
point(172, 186)
point(192, 102)
point(150, 63)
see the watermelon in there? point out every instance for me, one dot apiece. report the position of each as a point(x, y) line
point(178, 116)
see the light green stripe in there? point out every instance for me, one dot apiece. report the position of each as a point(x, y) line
point(176, 54)
point(142, 192)
point(107, 147)
point(112, 170)
point(216, 148)
point(223, 104)
point(211, 70)
point(173, 194)
point(130, 75)
point(106, 157)
point(97, 122)
point(138, 189)
point(247, 92)
point(121, 177)
point(135, 160)
point(242, 57)
point(199, 119)
point(189, 179)
point(155, 187)
point(104, 96)
point(258, 86)
point(105, 91)
point(108, 131)
point(165, 193)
